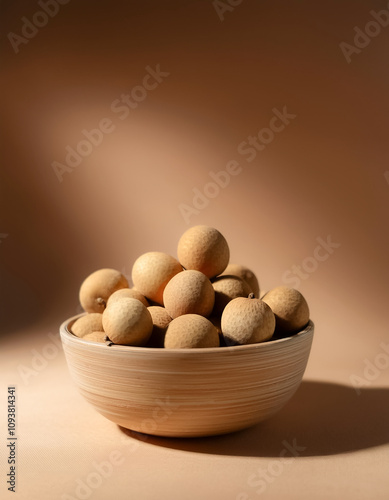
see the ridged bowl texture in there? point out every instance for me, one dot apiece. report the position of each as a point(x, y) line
point(187, 392)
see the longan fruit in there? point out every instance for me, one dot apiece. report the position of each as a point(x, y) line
point(189, 292)
point(96, 337)
point(129, 293)
point(152, 271)
point(127, 321)
point(204, 249)
point(191, 331)
point(98, 286)
point(289, 307)
point(246, 274)
point(87, 324)
point(247, 321)
point(228, 288)
point(161, 320)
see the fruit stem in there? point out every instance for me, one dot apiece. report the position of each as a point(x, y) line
point(101, 302)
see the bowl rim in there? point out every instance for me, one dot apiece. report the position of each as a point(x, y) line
point(65, 332)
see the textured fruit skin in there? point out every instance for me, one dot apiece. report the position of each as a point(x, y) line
point(152, 271)
point(96, 337)
point(189, 292)
point(127, 321)
point(246, 274)
point(98, 286)
point(228, 288)
point(161, 320)
point(129, 293)
point(191, 331)
point(87, 324)
point(204, 249)
point(247, 321)
point(289, 307)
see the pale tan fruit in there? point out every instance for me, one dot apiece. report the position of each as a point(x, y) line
point(87, 324)
point(228, 288)
point(204, 249)
point(246, 274)
point(189, 292)
point(96, 337)
point(129, 293)
point(161, 320)
point(152, 271)
point(289, 307)
point(98, 286)
point(127, 321)
point(247, 321)
point(191, 331)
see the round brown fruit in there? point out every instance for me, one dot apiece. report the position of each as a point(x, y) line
point(228, 288)
point(204, 249)
point(189, 292)
point(96, 337)
point(161, 320)
point(247, 321)
point(289, 307)
point(152, 271)
point(191, 331)
point(129, 293)
point(246, 274)
point(98, 286)
point(87, 324)
point(128, 322)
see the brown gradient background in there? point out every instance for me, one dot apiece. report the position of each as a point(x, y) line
point(323, 175)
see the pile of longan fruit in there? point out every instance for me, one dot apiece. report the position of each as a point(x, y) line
point(196, 300)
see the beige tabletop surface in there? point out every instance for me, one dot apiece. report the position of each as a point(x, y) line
point(335, 435)
point(126, 122)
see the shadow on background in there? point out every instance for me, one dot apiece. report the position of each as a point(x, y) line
point(324, 418)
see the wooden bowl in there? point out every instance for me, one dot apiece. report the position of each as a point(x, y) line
point(187, 392)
